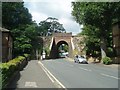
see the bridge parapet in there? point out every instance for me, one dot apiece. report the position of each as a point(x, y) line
point(62, 34)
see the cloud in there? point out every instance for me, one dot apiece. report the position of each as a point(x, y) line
point(70, 25)
point(38, 16)
point(57, 9)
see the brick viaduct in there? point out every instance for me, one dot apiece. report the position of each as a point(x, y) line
point(73, 42)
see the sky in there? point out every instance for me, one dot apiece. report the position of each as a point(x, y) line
point(59, 9)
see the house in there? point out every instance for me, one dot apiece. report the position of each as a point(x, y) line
point(6, 42)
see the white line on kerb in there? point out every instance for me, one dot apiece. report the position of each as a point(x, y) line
point(85, 69)
point(109, 76)
point(50, 74)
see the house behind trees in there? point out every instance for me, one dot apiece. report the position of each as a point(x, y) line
point(6, 45)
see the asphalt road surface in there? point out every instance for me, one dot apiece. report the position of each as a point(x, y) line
point(74, 75)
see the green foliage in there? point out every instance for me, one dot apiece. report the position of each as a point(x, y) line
point(91, 40)
point(97, 19)
point(9, 68)
point(0, 81)
point(26, 55)
point(15, 15)
point(111, 52)
point(25, 39)
point(18, 20)
point(106, 60)
point(49, 26)
point(25, 32)
point(64, 47)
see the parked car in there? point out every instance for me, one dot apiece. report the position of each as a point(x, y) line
point(80, 59)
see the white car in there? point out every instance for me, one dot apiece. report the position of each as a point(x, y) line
point(65, 53)
point(80, 59)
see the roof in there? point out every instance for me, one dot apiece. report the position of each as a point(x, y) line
point(4, 30)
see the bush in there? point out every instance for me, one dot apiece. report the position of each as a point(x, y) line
point(26, 55)
point(9, 68)
point(107, 60)
point(110, 52)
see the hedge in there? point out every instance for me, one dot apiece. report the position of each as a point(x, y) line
point(9, 68)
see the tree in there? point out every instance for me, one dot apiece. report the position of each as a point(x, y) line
point(92, 42)
point(100, 15)
point(18, 20)
point(49, 26)
point(15, 15)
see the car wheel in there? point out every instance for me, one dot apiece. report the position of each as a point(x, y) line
point(85, 62)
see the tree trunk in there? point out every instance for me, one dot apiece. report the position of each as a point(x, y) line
point(103, 47)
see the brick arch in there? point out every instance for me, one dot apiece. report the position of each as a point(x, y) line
point(57, 38)
point(62, 42)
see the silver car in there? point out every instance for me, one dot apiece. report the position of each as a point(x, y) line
point(80, 59)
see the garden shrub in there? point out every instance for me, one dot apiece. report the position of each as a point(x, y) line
point(9, 68)
point(26, 55)
point(107, 60)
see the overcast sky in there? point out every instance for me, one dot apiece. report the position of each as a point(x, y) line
point(61, 10)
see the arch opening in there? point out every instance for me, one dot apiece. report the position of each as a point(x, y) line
point(62, 49)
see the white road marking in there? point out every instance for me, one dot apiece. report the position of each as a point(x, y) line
point(52, 75)
point(30, 84)
point(85, 69)
point(48, 75)
point(109, 76)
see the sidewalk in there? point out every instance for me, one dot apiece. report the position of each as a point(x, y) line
point(32, 76)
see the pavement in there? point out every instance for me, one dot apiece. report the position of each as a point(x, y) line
point(33, 76)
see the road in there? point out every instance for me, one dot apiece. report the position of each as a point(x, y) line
point(74, 75)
